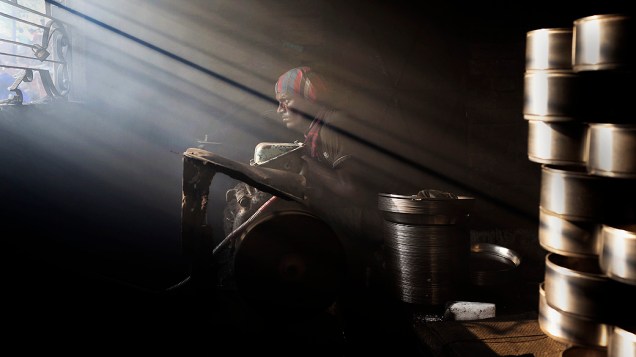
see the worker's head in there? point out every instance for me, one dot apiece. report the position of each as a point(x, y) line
point(299, 92)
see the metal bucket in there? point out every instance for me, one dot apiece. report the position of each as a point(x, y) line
point(426, 264)
point(411, 209)
point(427, 246)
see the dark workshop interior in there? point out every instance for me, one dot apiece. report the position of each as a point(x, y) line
point(115, 111)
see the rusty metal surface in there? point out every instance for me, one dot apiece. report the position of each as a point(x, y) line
point(199, 168)
point(280, 183)
point(194, 202)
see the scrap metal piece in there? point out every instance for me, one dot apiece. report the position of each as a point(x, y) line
point(288, 185)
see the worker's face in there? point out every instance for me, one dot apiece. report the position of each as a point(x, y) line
point(294, 111)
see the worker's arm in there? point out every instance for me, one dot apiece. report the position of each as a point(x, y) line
point(322, 181)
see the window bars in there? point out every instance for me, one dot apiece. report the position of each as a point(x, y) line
point(46, 53)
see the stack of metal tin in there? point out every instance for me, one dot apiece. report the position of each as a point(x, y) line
point(427, 246)
point(578, 87)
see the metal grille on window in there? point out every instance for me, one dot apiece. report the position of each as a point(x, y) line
point(35, 51)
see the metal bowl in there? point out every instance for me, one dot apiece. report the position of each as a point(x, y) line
point(551, 95)
point(411, 209)
point(569, 328)
point(618, 252)
point(612, 150)
point(573, 193)
point(549, 48)
point(603, 42)
point(622, 343)
point(577, 238)
point(557, 143)
point(578, 286)
point(492, 264)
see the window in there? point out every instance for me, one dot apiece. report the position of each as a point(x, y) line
point(34, 53)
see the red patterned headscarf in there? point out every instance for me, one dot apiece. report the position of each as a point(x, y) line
point(302, 81)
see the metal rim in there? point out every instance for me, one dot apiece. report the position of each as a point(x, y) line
point(622, 343)
point(550, 30)
point(493, 264)
point(557, 143)
point(497, 250)
point(612, 150)
point(570, 328)
point(577, 238)
point(551, 93)
point(578, 286)
point(618, 252)
point(413, 205)
point(572, 192)
point(598, 43)
point(608, 17)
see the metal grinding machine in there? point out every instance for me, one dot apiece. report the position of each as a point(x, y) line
point(285, 260)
